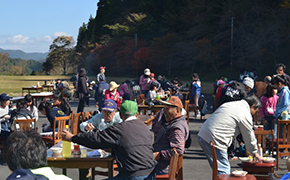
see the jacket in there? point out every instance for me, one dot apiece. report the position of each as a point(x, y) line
point(82, 85)
point(110, 95)
point(268, 102)
point(25, 174)
point(283, 101)
point(228, 121)
point(144, 82)
point(131, 141)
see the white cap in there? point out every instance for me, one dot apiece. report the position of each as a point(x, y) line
point(147, 71)
point(249, 82)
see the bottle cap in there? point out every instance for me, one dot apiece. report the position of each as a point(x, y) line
point(66, 126)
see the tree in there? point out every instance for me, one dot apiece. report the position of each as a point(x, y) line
point(61, 52)
point(4, 59)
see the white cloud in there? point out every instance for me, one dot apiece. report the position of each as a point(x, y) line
point(18, 39)
point(56, 34)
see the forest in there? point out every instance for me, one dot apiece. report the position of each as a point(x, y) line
point(179, 37)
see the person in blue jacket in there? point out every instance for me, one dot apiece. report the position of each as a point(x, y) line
point(280, 83)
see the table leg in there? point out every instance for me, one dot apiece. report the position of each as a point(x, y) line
point(22, 92)
point(64, 171)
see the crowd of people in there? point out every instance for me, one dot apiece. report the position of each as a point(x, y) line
point(129, 138)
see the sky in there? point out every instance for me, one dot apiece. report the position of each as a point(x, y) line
point(32, 25)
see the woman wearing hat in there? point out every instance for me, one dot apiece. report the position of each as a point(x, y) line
point(113, 94)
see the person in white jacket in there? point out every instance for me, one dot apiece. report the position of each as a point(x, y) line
point(228, 121)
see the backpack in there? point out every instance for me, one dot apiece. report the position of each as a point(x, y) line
point(235, 91)
point(203, 104)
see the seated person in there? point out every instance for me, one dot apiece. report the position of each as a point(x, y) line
point(4, 115)
point(109, 114)
point(34, 165)
point(173, 134)
point(58, 83)
point(61, 102)
point(174, 91)
point(21, 112)
point(113, 94)
point(152, 95)
point(30, 106)
point(50, 112)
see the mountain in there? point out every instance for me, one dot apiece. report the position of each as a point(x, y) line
point(26, 56)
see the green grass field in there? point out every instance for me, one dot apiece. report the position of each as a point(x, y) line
point(12, 85)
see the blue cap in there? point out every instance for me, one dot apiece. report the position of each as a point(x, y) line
point(109, 105)
point(4, 97)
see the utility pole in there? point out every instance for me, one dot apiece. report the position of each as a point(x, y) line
point(232, 36)
point(136, 45)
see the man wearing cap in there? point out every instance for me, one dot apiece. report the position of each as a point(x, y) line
point(101, 76)
point(109, 114)
point(145, 82)
point(131, 141)
point(173, 134)
point(4, 115)
point(249, 84)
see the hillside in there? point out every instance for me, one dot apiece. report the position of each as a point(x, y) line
point(26, 56)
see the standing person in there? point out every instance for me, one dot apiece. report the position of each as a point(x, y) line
point(221, 85)
point(4, 115)
point(229, 120)
point(100, 93)
point(173, 134)
point(145, 81)
point(83, 91)
point(101, 76)
point(113, 94)
point(131, 140)
point(30, 106)
point(249, 84)
point(195, 88)
point(268, 101)
point(280, 69)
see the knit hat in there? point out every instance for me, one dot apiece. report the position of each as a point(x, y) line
point(113, 85)
point(173, 101)
point(248, 82)
point(109, 105)
point(129, 108)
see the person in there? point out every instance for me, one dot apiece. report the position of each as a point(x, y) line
point(83, 92)
point(221, 85)
point(280, 70)
point(173, 134)
point(61, 102)
point(101, 76)
point(195, 88)
point(152, 94)
point(124, 88)
point(131, 141)
point(100, 93)
point(229, 120)
point(21, 112)
point(267, 79)
point(113, 94)
point(268, 101)
point(249, 84)
point(109, 114)
point(58, 84)
point(30, 106)
point(174, 91)
point(152, 79)
point(74, 79)
point(50, 112)
point(26, 157)
point(234, 91)
point(4, 115)
point(145, 81)
point(287, 175)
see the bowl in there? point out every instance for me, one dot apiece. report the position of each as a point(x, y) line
point(245, 159)
point(56, 150)
point(268, 159)
point(239, 173)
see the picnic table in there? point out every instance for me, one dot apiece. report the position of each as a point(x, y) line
point(49, 87)
point(43, 95)
point(104, 160)
point(31, 88)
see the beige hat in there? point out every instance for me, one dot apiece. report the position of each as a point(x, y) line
point(147, 71)
point(113, 85)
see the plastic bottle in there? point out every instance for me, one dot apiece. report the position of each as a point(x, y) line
point(102, 125)
point(260, 150)
point(66, 146)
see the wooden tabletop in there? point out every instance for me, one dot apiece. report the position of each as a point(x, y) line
point(232, 177)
